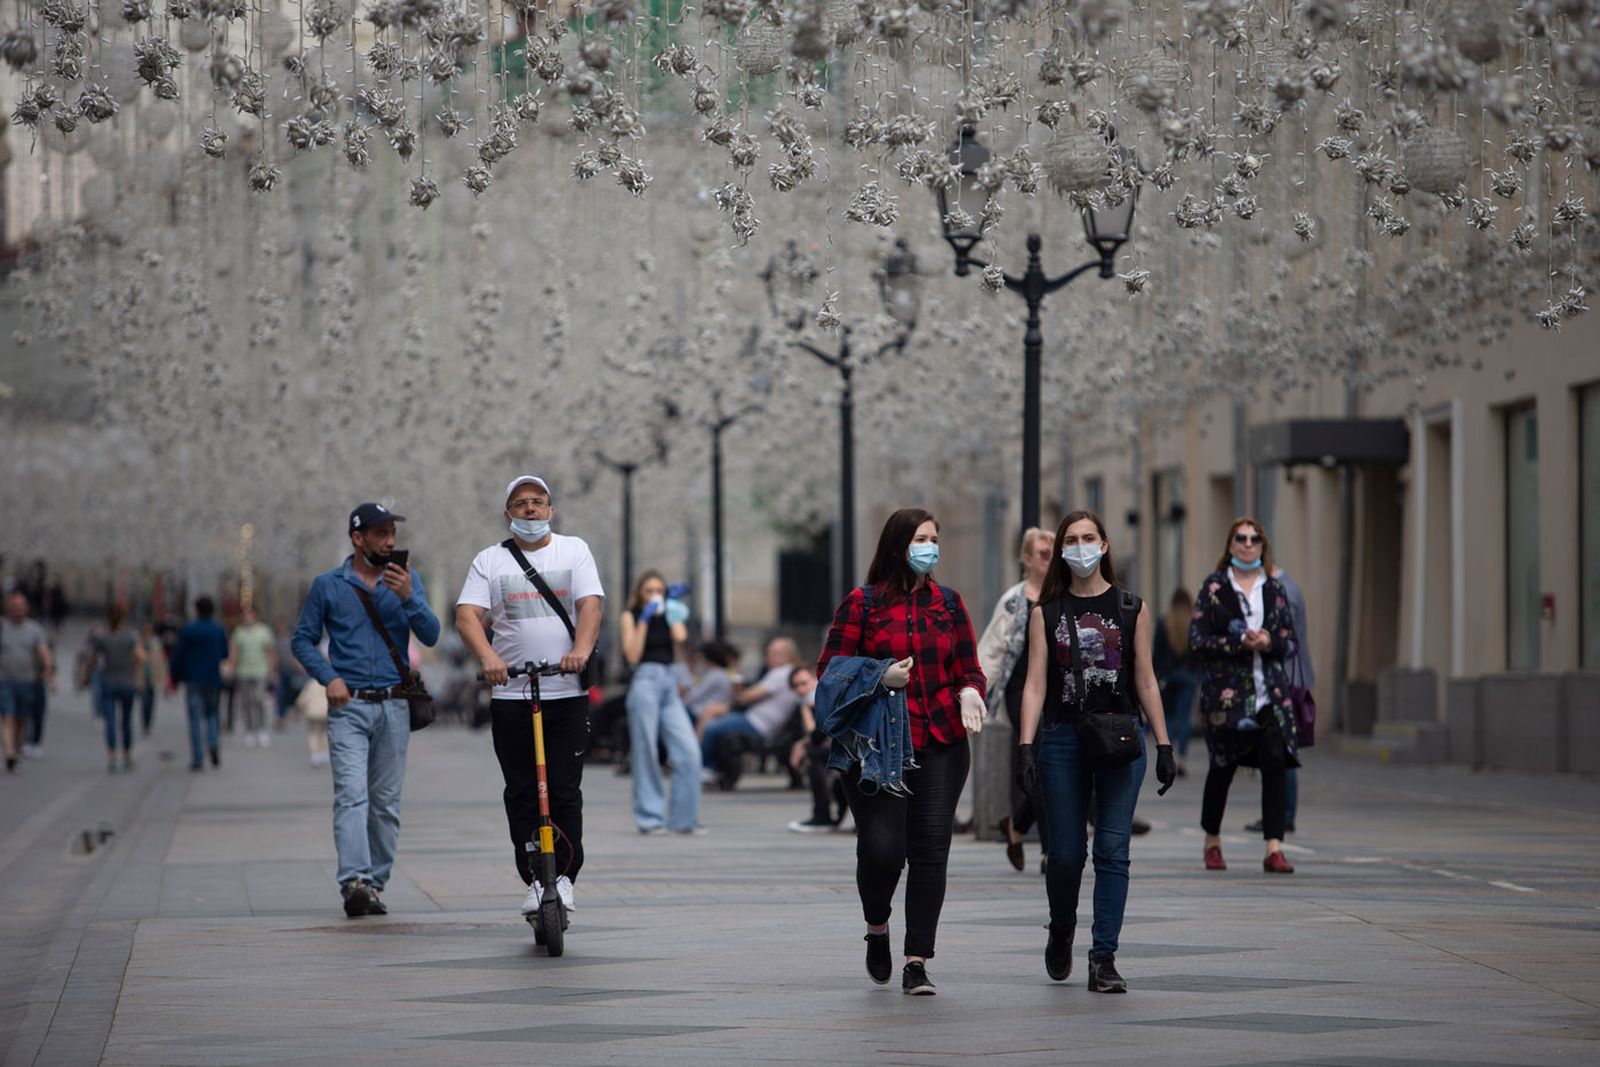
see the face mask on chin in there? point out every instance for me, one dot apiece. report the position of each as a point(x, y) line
point(374, 559)
point(530, 531)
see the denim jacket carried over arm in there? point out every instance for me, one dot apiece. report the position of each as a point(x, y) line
point(869, 723)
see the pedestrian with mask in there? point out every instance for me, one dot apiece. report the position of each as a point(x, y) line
point(917, 635)
point(1241, 634)
point(197, 657)
point(540, 593)
point(1003, 652)
point(1302, 675)
point(369, 719)
point(654, 631)
point(1088, 664)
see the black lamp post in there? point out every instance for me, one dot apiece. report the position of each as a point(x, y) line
point(626, 468)
point(720, 421)
point(788, 279)
point(902, 300)
point(1106, 230)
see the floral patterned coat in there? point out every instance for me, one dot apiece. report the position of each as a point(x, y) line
point(1227, 676)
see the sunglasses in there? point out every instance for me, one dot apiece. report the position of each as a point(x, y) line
point(1246, 539)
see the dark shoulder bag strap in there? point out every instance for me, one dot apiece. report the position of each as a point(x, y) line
point(1130, 604)
point(544, 588)
point(383, 631)
point(1050, 614)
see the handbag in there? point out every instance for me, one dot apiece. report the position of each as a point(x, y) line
point(1107, 737)
point(587, 678)
point(1301, 699)
point(416, 695)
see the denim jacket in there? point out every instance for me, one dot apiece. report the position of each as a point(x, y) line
point(869, 723)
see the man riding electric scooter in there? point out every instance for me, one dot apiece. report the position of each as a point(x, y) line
point(540, 593)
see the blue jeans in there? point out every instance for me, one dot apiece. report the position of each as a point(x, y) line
point(367, 748)
point(16, 700)
point(656, 714)
point(112, 699)
point(41, 703)
point(1291, 796)
point(735, 722)
point(202, 701)
point(1068, 786)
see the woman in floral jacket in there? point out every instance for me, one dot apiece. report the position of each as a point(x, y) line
point(1241, 635)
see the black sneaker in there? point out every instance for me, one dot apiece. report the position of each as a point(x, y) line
point(1058, 954)
point(374, 905)
point(1103, 976)
point(357, 899)
point(216, 758)
point(880, 964)
point(1140, 826)
point(914, 981)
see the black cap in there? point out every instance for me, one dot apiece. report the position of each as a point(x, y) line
point(369, 515)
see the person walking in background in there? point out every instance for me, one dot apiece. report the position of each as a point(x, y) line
point(119, 656)
point(369, 720)
point(25, 660)
point(828, 805)
point(904, 618)
point(291, 676)
point(760, 710)
point(540, 594)
point(1300, 673)
point(653, 631)
point(55, 603)
point(153, 678)
point(197, 658)
point(1003, 653)
point(253, 662)
point(312, 704)
point(1241, 634)
point(1088, 652)
point(1175, 672)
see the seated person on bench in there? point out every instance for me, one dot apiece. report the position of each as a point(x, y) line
point(767, 706)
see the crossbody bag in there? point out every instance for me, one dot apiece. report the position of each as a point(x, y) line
point(588, 676)
point(416, 695)
point(1107, 736)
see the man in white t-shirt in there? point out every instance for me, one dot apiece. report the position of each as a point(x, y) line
point(528, 627)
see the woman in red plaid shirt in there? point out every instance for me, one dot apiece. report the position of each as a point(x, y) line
point(903, 615)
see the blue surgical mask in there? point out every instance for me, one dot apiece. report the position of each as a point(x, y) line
point(922, 556)
point(1241, 565)
point(1083, 559)
point(530, 531)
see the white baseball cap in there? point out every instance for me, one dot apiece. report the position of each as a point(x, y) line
point(524, 479)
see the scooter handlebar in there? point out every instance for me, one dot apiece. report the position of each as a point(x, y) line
point(547, 670)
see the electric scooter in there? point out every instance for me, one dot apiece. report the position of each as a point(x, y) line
point(550, 921)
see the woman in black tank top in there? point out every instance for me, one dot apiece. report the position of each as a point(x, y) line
point(1081, 605)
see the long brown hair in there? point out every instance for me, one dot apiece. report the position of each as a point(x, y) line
point(889, 565)
point(1177, 620)
point(1058, 579)
point(636, 602)
point(1266, 545)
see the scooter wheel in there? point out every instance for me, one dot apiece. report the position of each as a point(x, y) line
point(550, 927)
point(538, 928)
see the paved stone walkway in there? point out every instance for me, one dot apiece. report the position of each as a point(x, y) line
point(1438, 917)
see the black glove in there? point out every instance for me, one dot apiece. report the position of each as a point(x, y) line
point(1028, 769)
point(1166, 769)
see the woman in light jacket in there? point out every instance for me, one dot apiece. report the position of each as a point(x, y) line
point(1003, 654)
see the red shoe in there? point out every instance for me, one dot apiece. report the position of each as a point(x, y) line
point(1277, 863)
point(1214, 860)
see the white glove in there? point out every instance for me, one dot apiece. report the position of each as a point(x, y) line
point(971, 710)
point(898, 674)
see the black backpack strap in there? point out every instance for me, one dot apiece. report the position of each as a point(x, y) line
point(1130, 604)
point(540, 584)
point(383, 631)
point(1051, 614)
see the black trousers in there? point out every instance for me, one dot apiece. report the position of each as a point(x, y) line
point(1273, 763)
point(1025, 807)
point(893, 833)
point(566, 739)
point(827, 789)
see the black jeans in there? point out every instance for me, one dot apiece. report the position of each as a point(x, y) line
point(827, 790)
point(1273, 763)
point(895, 832)
point(1025, 807)
point(566, 739)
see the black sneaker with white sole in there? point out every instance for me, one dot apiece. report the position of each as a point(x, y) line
point(374, 905)
point(914, 981)
point(357, 898)
point(1103, 976)
point(880, 965)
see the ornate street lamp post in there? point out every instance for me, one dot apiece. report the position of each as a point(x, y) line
point(1105, 229)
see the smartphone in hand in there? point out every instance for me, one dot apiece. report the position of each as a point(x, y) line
point(400, 557)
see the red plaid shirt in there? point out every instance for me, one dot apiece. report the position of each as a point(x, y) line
point(938, 638)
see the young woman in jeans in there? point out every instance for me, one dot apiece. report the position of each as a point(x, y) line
point(653, 631)
point(925, 630)
point(1080, 590)
point(1241, 634)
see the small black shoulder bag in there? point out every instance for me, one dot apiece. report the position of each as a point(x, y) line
point(417, 697)
point(1107, 736)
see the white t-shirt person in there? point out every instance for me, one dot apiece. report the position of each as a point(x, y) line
point(525, 627)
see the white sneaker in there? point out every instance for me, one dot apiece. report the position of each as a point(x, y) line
point(266, 739)
point(319, 759)
point(32, 751)
point(249, 739)
point(564, 891)
point(530, 903)
point(708, 777)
